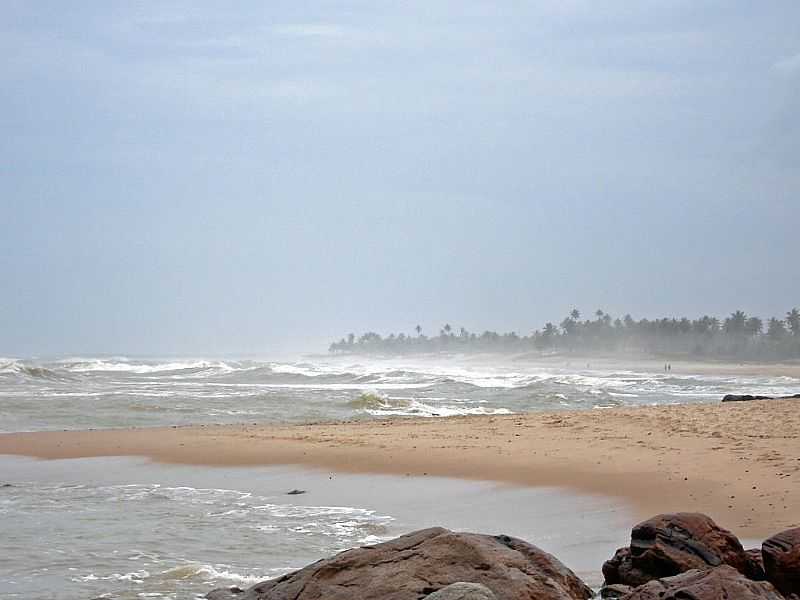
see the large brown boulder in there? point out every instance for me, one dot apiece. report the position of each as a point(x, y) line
point(670, 544)
point(420, 563)
point(719, 583)
point(781, 555)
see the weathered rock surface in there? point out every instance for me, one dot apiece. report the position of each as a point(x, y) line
point(746, 397)
point(781, 555)
point(615, 590)
point(719, 583)
point(463, 591)
point(670, 544)
point(420, 563)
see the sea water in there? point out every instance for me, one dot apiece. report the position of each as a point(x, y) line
point(124, 528)
point(119, 392)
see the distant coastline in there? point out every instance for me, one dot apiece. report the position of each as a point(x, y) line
point(736, 337)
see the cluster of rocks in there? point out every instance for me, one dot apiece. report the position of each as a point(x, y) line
point(687, 555)
point(682, 556)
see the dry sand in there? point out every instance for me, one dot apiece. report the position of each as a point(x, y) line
point(738, 462)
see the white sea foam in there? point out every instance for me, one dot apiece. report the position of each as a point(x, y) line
point(210, 573)
point(142, 368)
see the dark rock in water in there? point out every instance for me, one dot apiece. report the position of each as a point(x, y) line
point(746, 397)
point(615, 590)
point(463, 591)
point(719, 583)
point(230, 593)
point(6, 485)
point(420, 563)
point(781, 555)
point(670, 544)
point(295, 492)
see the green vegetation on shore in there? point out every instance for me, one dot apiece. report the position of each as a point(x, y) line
point(737, 336)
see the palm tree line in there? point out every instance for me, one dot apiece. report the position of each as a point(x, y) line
point(737, 336)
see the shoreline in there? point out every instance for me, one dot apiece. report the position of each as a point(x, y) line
point(681, 364)
point(739, 463)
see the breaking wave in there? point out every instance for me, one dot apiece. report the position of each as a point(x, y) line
point(378, 405)
point(22, 369)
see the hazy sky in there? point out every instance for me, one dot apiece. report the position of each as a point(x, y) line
point(196, 178)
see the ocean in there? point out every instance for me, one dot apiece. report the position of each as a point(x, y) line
point(126, 528)
point(80, 393)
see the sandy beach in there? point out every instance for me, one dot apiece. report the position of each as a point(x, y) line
point(739, 462)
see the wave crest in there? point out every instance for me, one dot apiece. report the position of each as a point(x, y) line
point(378, 405)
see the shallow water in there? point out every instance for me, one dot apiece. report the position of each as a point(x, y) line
point(124, 528)
point(119, 392)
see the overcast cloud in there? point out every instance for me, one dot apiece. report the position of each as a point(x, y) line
point(198, 178)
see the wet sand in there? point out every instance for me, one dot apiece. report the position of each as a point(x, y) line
point(679, 365)
point(738, 462)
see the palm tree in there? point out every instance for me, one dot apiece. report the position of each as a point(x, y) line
point(754, 326)
point(775, 329)
point(568, 325)
point(447, 328)
point(418, 329)
point(549, 332)
point(735, 324)
point(793, 321)
point(575, 314)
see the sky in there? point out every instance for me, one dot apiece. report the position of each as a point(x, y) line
point(206, 178)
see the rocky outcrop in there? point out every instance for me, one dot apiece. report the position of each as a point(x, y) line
point(463, 591)
point(421, 563)
point(715, 584)
point(670, 544)
point(746, 397)
point(781, 555)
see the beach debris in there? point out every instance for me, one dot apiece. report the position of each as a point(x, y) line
point(781, 555)
point(670, 544)
point(295, 492)
point(714, 584)
point(423, 562)
point(462, 590)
